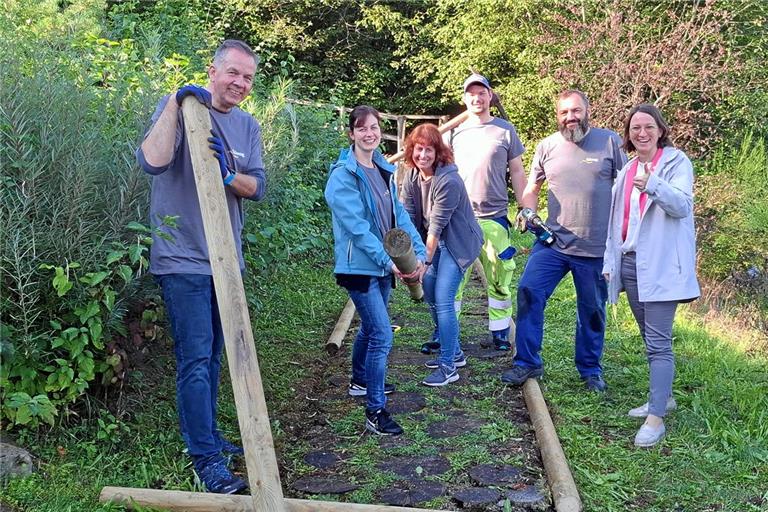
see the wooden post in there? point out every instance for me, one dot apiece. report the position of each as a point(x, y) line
point(183, 501)
point(564, 492)
point(400, 133)
point(340, 329)
point(260, 458)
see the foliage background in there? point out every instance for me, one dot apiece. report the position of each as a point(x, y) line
point(79, 79)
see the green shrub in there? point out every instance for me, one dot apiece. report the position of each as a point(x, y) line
point(732, 218)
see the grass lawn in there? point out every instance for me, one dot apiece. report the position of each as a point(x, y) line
point(715, 456)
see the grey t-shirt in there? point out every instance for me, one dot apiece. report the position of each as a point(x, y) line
point(579, 177)
point(482, 153)
point(174, 192)
point(381, 197)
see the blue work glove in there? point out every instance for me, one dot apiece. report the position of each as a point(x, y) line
point(221, 155)
point(202, 95)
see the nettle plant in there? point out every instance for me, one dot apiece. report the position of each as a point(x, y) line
point(74, 352)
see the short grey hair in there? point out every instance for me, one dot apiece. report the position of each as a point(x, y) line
point(571, 92)
point(233, 44)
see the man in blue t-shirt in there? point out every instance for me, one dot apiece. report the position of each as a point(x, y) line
point(580, 163)
point(181, 264)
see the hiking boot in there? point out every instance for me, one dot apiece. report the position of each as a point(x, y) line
point(517, 375)
point(501, 343)
point(357, 389)
point(459, 361)
point(649, 436)
point(217, 478)
point(430, 347)
point(642, 411)
point(441, 376)
point(381, 423)
point(595, 382)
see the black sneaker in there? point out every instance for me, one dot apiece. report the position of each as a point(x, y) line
point(430, 347)
point(517, 375)
point(357, 389)
point(217, 478)
point(381, 423)
point(501, 344)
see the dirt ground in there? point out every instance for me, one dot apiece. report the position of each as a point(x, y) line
point(467, 445)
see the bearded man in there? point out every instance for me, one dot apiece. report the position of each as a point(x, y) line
point(580, 163)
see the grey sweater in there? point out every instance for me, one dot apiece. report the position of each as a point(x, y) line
point(451, 220)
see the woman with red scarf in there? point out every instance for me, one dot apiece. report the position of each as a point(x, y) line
point(651, 252)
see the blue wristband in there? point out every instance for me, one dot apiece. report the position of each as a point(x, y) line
point(229, 178)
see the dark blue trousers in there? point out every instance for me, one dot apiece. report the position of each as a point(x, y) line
point(190, 301)
point(545, 269)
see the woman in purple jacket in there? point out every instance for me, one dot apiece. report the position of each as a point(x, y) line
point(651, 252)
point(436, 198)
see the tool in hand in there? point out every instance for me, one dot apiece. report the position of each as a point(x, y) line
point(537, 226)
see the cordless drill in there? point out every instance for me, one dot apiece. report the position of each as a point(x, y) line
point(534, 223)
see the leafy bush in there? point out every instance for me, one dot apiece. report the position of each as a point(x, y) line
point(732, 218)
point(74, 104)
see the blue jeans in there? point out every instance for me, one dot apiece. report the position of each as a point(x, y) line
point(440, 284)
point(545, 269)
point(374, 339)
point(190, 301)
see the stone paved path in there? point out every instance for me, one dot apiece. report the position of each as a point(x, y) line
point(467, 446)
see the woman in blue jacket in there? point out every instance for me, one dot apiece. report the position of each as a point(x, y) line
point(651, 252)
point(363, 199)
point(436, 198)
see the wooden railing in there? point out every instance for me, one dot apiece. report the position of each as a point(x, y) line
point(400, 120)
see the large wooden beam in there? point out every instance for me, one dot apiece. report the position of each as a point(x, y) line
point(561, 483)
point(255, 431)
point(183, 501)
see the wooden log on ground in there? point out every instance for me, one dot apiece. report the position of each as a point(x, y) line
point(183, 501)
point(340, 329)
point(255, 429)
point(561, 483)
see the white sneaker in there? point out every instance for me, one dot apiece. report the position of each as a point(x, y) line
point(642, 411)
point(648, 436)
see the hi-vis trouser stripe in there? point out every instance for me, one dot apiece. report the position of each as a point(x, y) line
point(498, 273)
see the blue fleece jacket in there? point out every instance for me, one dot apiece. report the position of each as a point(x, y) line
point(358, 243)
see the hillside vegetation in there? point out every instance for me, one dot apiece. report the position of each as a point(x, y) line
point(80, 78)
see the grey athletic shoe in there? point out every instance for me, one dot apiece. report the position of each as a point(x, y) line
point(441, 377)
point(642, 411)
point(459, 361)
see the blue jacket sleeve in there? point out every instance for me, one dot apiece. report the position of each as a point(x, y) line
point(346, 204)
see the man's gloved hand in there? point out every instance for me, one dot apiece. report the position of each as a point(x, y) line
point(202, 95)
point(520, 223)
point(217, 146)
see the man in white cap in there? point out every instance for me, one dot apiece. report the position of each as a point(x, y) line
point(488, 153)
